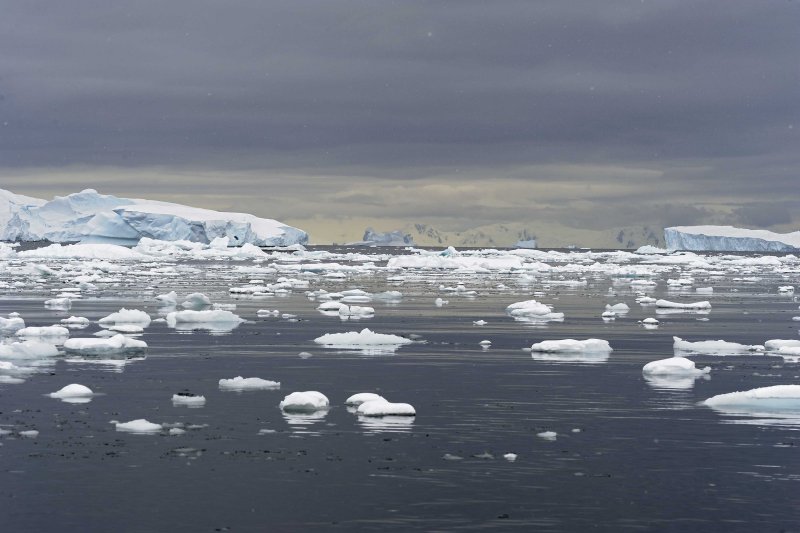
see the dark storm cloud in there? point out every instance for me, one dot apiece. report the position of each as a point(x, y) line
point(620, 105)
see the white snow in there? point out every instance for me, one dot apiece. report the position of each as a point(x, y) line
point(674, 366)
point(241, 384)
point(307, 401)
point(139, 425)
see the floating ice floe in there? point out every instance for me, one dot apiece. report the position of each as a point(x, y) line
point(139, 425)
point(28, 350)
point(304, 402)
point(674, 366)
point(572, 346)
point(188, 399)
point(73, 393)
point(129, 329)
point(385, 408)
point(44, 331)
point(775, 345)
point(533, 311)
point(11, 324)
point(117, 343)
point(355, 311)
point(439, 302)
point(365, 340)
point(126, 316)
point(479, 322)
point(666, 304)
point(547, 435)
point(718, 347)
point(361, 397)
point(786, 289)
point(62, 304)
point(216, 320)
point(776, 397)
point(619, 309)
point(75, 322)
point(169, 299)
point(242, 384)
point(196, 300)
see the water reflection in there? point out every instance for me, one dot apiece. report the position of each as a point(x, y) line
point(386, 424)
point(759, 416)
point(575, 357)
point(301, 421)
point(675, 382)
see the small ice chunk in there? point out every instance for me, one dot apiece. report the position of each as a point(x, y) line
point(510, 457)
point(169, 299)
point(438, 302)
point(718, 347)
point(479, 322)
point(12, 323)
point(29, 434)
point(176, 431)
point(619, 308)
point(117, 343)
point(73, 390)
point(485, 342)
point(650, 321)
point(58, 303)
point(361, 397)
point(666, 304)
point(196, 300)
point(139, 425)
point(126, 316)
point(365, 337)
point(547, 435)
point(212, 316)
point(674, 366)
point(75, 321)
point(188, 399)
point(44, 331)
point(572, 346)
point(385, 408)
point(307, 401)
point(127, 328)
point(240, 384)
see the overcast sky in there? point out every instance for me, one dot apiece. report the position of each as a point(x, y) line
point(457, 113)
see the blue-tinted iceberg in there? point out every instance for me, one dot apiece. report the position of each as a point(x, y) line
point(730, 239)
point(90, 217)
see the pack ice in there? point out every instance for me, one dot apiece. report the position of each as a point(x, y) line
point(90, 217)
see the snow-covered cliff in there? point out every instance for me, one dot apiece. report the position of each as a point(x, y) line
point(730, 239)
point(88, 216)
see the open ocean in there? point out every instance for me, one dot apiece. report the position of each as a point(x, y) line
point(629, 453)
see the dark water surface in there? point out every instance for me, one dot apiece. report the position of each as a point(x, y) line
point(629, 455)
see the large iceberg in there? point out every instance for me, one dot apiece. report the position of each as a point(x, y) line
point(90, 217)
point(389, 238)
point(730, 239)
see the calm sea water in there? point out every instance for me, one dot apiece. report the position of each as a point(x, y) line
point(629, 455)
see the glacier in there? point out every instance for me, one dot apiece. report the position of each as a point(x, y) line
point(729, 239)
point(89, 217)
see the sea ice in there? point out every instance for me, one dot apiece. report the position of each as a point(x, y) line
point(196, 300)
point(241, 384)
point(572, 346)
point(666, 304)
point(365, 337)
point(73, 393)
point(361, 397)
point(303, 402)
point(188, 399)
point(533, 311)
point(126, 316)
point(385, 408)
point(718, 347)
point(117, 343)
point(208, 317)
point(674, 366)
point(139, 425)
point(766, 398)
point(44, 331)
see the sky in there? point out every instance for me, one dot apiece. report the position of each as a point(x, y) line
point(332, 116)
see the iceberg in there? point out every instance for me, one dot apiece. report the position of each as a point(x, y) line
point(389, 238)
point(304, 402)
point(729, 239)
point(91, 217)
